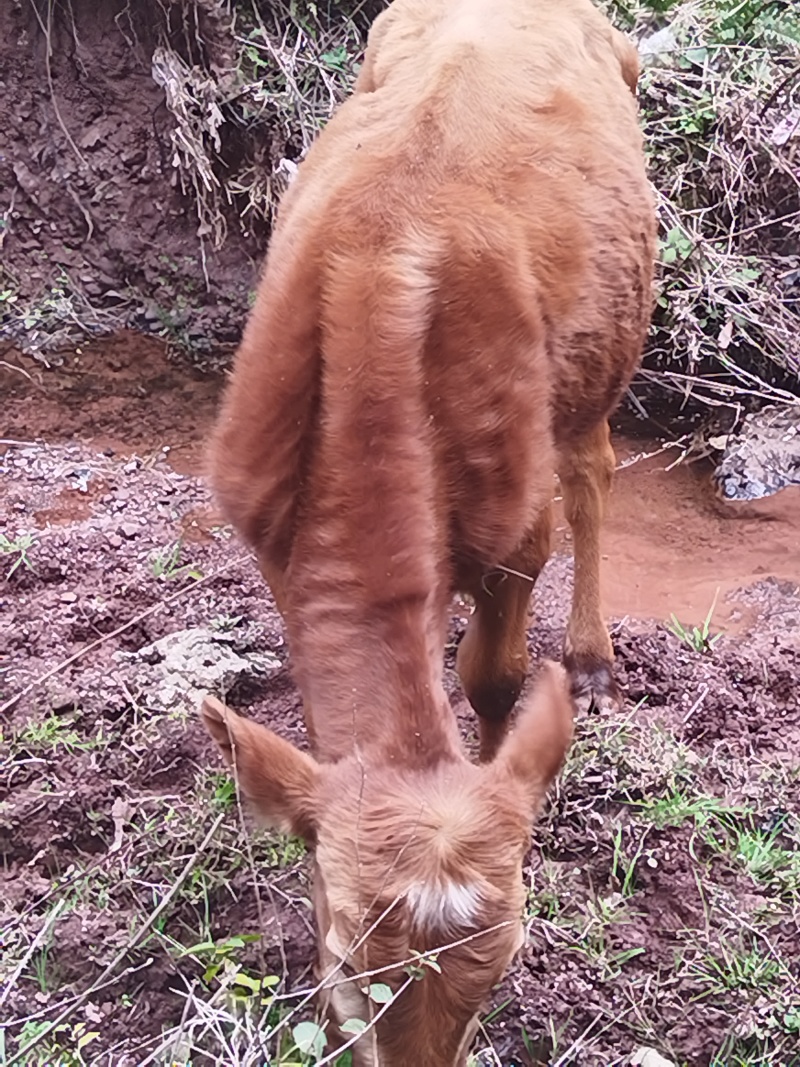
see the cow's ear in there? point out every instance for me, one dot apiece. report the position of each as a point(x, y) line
point(535, 749)
point(627, 57)
point(278, 779)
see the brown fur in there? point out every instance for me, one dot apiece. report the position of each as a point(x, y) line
point(454, 300)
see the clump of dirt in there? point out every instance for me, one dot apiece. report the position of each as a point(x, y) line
point(664, 878)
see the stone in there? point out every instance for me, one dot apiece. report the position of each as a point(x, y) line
point(762, 456)
point(187, 664)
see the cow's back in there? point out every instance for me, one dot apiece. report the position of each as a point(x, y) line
point(503, 150)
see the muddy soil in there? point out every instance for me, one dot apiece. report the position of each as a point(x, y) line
point(108, 787)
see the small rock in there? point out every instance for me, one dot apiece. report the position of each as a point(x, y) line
point(656, 44)
point(191, 662)
point(114, 540)
point(64, 700)
point(128, 529)
point(68, 598)
point(648, 1057)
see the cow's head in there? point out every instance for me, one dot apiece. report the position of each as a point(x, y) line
point(418, 873)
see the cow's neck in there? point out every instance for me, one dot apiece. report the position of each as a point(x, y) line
point(370, 670)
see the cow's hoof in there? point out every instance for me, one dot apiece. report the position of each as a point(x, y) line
point(592, 684)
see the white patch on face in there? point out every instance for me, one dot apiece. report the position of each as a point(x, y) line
point(441, 907)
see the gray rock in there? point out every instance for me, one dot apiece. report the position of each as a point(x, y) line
point(763, 457)
point(184, 665)
point(656, 44)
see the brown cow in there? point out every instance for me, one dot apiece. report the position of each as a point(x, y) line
point(455, 298)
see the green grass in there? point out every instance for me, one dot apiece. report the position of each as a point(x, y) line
point(52, 734)
point(698, 638)
point(167, 564)
point(632, 794)
point(681, 806)
point(734, 968)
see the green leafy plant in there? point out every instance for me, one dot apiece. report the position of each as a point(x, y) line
point(310, 1039)
point(222, 956)
point(64, 1046)
point(223, 790)
point(52, 732)
point(676, 246)
point(735, 968)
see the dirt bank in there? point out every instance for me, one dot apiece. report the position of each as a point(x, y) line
point(97, 232)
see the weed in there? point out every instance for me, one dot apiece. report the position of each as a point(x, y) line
point(680, 806)
point(42, 970)
point(310, 1039)
point(760, 851)
point(547, 901)
point(735, 968)
point(283, 850)
point(761, 855)
point(222, 956)
point(623, 871)
point(622, 760)
point(677, 246)
point(588, 931)
point(19, 548)
point(166, 564)
point(699, 638)
point(64, 1047)
point(51, 733)
point(223, 790)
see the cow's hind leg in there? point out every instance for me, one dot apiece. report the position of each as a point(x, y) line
point(492, 658)
point(585, 469)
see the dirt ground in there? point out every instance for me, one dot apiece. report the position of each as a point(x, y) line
point(664, 877)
